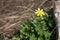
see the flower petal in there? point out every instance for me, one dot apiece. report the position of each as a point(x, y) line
point(38, 8)
point(41, 9)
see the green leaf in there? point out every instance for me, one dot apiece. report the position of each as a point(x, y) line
point(39, 31)
point(32, 37)
point(15, 38)
point(40, 38)
point(47, 34)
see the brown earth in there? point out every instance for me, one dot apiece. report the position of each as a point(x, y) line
point(15, 12)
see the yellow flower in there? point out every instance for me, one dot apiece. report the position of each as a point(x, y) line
point(39, 12)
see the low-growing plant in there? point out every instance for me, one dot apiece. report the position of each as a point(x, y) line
point(36, 29)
